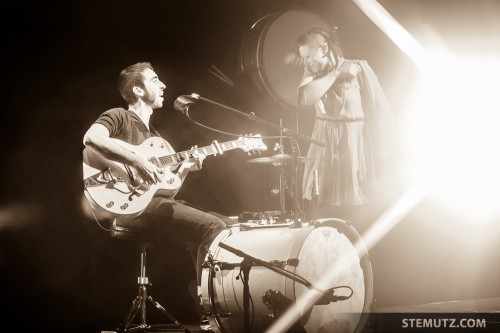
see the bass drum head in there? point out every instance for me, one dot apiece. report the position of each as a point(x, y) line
point(265, 48)
point(328, 253)
point(333, 256)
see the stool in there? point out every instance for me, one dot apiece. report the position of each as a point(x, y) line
point(139, 303)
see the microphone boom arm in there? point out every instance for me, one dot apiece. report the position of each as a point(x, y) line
point(252, 116)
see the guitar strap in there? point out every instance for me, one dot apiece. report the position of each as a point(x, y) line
point(154, 131)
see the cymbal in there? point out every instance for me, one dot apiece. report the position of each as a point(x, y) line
point(305, 158)
point(277, 159)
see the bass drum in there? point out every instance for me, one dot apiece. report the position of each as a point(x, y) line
point(265, 47)
point(325, 248)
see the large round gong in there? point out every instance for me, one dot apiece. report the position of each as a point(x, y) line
point(265, 48)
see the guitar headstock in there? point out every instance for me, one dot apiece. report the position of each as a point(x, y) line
point(251, 143)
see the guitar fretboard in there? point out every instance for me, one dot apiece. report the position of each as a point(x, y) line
point(180, 157)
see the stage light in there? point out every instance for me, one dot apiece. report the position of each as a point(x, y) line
point(449, 131)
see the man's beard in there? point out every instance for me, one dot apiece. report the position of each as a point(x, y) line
point(150, 99)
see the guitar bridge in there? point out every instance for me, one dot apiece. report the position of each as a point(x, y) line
point(105, 178)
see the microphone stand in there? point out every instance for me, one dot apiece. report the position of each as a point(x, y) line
point(295, 169)
point(252, 116)
point(292, 133)
point(246, 265)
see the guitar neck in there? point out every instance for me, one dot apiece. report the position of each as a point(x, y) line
point(213, 149)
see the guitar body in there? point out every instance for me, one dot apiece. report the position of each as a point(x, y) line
point(115, 190)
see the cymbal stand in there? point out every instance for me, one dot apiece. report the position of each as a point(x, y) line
point(295, 173)
point(282, 177)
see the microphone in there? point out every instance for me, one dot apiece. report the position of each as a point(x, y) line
point(182, 103)
point(329, 297)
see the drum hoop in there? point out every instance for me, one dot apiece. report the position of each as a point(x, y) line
point(212, 303)
point(261, 70)
point(248, 34)
point(365, 263)
point(211, 276)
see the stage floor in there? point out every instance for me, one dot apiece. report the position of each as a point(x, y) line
point(472, 315)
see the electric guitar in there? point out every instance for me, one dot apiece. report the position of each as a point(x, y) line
point(116, 190)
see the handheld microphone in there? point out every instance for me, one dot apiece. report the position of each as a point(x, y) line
point(182, 103)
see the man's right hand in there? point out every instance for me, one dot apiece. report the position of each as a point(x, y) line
point(148, 172)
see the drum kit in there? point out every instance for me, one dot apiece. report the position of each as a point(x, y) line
point(283, 164)
point(268, 263)
point(323, 260)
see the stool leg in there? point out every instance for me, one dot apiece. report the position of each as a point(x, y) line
point(136, 304)
point(139, 303)
point(143, 281)
point(166, 313)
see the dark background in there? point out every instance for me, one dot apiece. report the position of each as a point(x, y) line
point(61, 271)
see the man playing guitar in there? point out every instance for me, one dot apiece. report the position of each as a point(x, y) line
point(110, 135)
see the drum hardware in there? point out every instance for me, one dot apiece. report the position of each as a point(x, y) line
point(315, 197)
point(249, 261)
point(278, 160)
point(263, 218)
point(276, 302)
point(283, 162)
point(282, 185)
point(222, 265)
point(279, 263)
point(247, 226)
point(247, 216)
point(254, 226)
point(295, 167)
point(252, 261)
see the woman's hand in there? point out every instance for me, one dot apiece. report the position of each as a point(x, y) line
point(348, 70)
